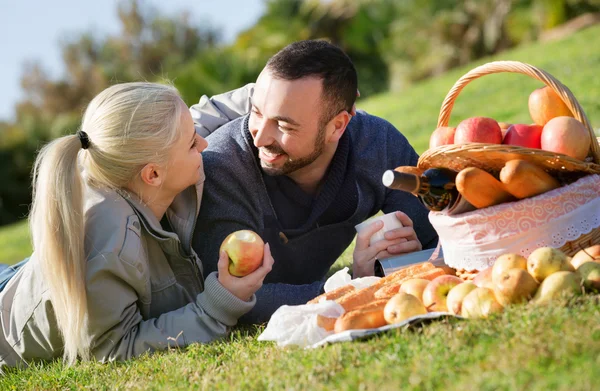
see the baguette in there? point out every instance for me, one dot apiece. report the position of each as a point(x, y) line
point(405, 272)
point(480, 188)
point(364, 318)
point(328, 323)
point(523, 179)
point(357, 298)
point(389, 290)
point(332, 295)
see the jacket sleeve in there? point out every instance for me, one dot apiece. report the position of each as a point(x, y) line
point(211, 113)
point(117, 288)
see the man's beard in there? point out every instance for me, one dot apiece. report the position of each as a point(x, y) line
point(292, 165)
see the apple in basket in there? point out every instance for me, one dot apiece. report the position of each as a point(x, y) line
point(545, 104)
point(478, 130)
point(245, 251)
point(443, 135)
point(566, 135)
point(528, 136)
point(436, 292)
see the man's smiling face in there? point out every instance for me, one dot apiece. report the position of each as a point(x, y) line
point(285, 122)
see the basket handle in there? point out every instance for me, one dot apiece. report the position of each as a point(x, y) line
point(518, 67)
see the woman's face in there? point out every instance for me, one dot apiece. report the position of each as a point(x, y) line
point(185, 163)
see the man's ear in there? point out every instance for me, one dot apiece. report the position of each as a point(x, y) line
point(337, 126)
point(151, 175)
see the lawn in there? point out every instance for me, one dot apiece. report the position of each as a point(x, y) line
point(534, 348)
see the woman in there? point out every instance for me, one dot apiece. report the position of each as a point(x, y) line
point(113, 274)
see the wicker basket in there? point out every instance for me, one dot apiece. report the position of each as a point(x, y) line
point(492, 157)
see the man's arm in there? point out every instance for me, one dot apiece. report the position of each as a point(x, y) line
point(211, 113)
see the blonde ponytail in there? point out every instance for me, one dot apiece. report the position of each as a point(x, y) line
point(57, 229)
point(128, 125)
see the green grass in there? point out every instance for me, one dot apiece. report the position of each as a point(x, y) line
point(534, 348)
point(14, 242)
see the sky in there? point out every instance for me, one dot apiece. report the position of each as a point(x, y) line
point(31, 30)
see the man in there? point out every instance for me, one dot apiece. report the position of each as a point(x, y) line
point(302, 169)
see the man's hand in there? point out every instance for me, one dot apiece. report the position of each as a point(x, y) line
point(244, 287)
point(397, 241)
point(405, 238)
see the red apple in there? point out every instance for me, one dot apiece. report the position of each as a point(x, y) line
point(245, 250)
point(442, 136)
point(478, 130)
point(529, 136)
point(566, 135)
point(545, 104)
point(436, 292)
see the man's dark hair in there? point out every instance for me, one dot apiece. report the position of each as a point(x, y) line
point(323, 60)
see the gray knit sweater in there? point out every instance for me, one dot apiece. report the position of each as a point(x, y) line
point(235, 197)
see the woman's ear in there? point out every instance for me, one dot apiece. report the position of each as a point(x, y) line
point(152, 175)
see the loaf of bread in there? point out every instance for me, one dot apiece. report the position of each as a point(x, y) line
point(357, 298)
point(332, 295)
point(523, 179)
point(480, 188)
point(405, 272)
point(367, 317)
point(389, 290)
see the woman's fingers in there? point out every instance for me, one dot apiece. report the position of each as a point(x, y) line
point(364, 236)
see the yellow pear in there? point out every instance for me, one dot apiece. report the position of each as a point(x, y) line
point(515, 286)
point(544, 261)
point(457, 295)
point(415, 287)
point(590, 275)
point(401, 307)
point(556, 285)
point(480, 303)
point(506, 262)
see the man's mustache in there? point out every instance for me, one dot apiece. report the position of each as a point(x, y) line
point(274, 149)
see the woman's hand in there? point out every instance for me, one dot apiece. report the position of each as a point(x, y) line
point(244, 287)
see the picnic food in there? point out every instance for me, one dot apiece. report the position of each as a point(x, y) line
point(523, 179)
point(484, 278)
point(528, 136)
point(544, 261)
point(506, 262)
point(436, 292)
point(332, 295)
point(590, 275)
point(566, 135)
point(362, 318)
point(457, 295)
point(557, 285)
point(514, 286)
point(415, 287)
point(590, 254)
point(480, 303)
point(401, 307)
point(391, 289)
point(480, 188)
point(245, 251)
point(544, 104)
point(443, 135)
point(478, 130)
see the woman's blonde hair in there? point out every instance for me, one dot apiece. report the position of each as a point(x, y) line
point(128, 125)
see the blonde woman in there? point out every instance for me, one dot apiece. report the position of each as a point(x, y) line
point(113, 274)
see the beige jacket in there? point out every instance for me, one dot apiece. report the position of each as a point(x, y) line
point(145, 287)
